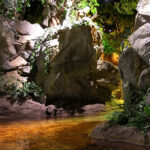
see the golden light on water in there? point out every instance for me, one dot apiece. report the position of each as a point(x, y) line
point(64, 134)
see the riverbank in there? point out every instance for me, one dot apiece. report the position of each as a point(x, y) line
point(57, 134)
point(120, 134)
point(31, 110)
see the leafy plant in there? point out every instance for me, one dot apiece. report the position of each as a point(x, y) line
point(20, 91)
point(126, 6)
point(93, 4)
point(10, 7)
point(137, 115)
point(38, 49)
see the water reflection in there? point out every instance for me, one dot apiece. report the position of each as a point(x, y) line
point(64, 134)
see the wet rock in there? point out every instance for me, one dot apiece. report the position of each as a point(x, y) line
point(92, 109)
point(31, 110)
point(28, 110)
point(122, 134)
point(51, 110)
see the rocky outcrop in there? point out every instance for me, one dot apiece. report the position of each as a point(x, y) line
point(70, 60)
point(120, 134)
point(31, 110)
point(134, 66)
point(67, 64)
point(107, 75)
point(70, 66)
point(134, 62)
point(17, 39)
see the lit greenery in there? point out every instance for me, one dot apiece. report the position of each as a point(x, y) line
point(10, 7)
point(136, 115)
point(117, 23)
point(116, 20)
point(93, 4)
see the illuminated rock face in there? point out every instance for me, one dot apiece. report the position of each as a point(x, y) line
point(143, 7)
point(134, 63)
point(143, 15)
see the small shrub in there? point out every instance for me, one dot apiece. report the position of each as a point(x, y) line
point(19, 94)
point(138, 115)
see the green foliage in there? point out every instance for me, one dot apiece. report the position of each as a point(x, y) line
point(10, 7)
point(38, 50)
point(93, 4)
point(35, 53)
point(109, 47)
point(20, 91)
point(126, 6)
point(7, 85)
point(136, 115)
point(117, 21)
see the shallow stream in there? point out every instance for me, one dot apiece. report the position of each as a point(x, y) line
point(57, 134)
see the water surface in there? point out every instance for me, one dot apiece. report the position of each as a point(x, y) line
point(56, 134)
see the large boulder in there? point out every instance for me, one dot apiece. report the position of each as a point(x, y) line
point(72, 70)
point(120, 134)
point(134, 62)
point(131, 67)
point(134, 66)
point(71, 63)
point(27, 31)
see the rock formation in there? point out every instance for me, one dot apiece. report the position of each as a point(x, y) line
point(134, 66)
point(72, 72)
point(17, 40)
point(65, 60)
point(134, 62)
